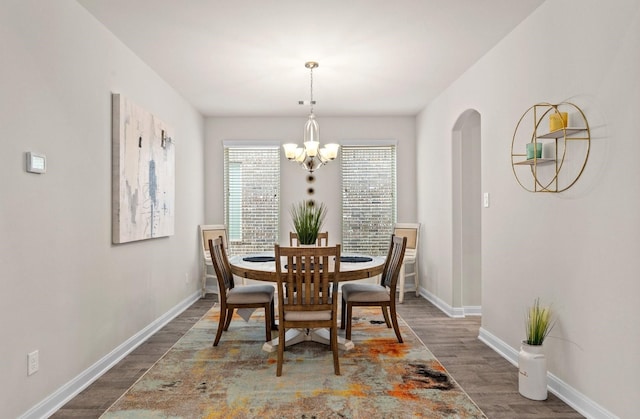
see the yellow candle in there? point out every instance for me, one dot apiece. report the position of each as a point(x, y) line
point(558, 120)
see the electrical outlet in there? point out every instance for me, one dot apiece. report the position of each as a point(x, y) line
point(486, 200)
point(33, 363)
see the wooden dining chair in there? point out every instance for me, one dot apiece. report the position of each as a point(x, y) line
point(307, 295)
point(232, 297)
point(412, 232)
point(322, 240)
point(210, 231)
point(382, 295)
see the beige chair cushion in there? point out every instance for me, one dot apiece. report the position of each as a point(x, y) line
point(365, 292)
point(297, 316)
point(250, 294)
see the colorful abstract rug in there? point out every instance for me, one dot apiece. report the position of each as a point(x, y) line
point(237, 379)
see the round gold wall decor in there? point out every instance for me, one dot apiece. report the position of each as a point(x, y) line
point(565, 149)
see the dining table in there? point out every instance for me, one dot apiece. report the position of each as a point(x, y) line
point(262, 267)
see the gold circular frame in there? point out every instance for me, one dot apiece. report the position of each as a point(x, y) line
point(561, 139)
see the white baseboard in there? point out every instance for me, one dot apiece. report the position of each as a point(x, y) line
point(562, 390)
point(57, 399)
point(472, 310)
point(448, 309)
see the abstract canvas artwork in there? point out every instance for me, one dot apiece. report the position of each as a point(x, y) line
point(143, 174)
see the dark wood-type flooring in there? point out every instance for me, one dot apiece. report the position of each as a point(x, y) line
point(490, 380)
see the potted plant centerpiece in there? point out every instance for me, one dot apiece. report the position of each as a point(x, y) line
point(307, 218)
point(532, 364)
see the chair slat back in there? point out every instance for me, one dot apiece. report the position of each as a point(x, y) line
point(322, 240)
point(393, 264)
point(309, 280)
point(221, 265)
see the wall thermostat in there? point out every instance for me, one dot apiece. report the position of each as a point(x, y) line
point(36, 163)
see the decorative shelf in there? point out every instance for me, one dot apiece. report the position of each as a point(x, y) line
point(564, 151)
point(562, 132)
point(530, 162)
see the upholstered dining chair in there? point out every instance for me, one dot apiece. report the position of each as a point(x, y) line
point(322, 240)
point(412, 232)
point(232, 297)
point(210, 232)
point(307, 296)
point(382, 295)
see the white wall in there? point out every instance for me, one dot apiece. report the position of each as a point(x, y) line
point(66, 290)
point(293, 178)
point(581, 255)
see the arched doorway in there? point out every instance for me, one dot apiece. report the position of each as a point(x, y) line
point(467, 213)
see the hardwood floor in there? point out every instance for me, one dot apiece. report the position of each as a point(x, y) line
point(490, 380)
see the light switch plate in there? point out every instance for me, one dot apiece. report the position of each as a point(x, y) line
point(36, 163)
point(33, 362)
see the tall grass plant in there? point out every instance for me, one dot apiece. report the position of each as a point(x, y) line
point(307, 219)
point(539, 322)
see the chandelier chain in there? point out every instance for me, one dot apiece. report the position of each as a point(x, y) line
point(311, 95)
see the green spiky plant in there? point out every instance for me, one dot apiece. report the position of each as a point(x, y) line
point(538, 323)
point(307, 220)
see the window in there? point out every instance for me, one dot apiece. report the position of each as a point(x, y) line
point(252, 198)
point(368, 198)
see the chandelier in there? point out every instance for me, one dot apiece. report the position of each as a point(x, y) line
point(311, 156)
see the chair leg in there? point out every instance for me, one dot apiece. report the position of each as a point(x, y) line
point(401, 284)
point(273, 315)
point(349, 312)
point(394, 320)
point(415, 267)
point(280, 349)
point(334, 347)
point(267, 321)
point(229, 316)
point(221, 322)
point(385, 313)
point(343, 313)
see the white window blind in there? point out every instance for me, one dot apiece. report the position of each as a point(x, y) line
point(252, 198)
point(368, 198)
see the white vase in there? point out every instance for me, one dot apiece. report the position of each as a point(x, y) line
point(532, 374)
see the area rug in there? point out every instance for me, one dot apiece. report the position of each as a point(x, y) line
point(381, 378)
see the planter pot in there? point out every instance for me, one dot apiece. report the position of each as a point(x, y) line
point(532, 374)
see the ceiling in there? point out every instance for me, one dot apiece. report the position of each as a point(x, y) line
point(246, 57)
